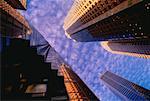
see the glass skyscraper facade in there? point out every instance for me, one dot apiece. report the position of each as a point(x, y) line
point(125, 89)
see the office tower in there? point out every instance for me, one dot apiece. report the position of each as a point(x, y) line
point(115, 21)
point(76, 88)
point(125, 89)
point(104, 20)
point(13, 24)
point(138, 48)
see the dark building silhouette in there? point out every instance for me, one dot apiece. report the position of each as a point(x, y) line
point(76, 88)
point(125, 89)
point(26, 76)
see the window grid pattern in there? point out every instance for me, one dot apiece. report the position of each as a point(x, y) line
point(84, 11)
point(72, 87)
point(125, 88)
point(123, 25)
point(77, 91)
point(13, 12)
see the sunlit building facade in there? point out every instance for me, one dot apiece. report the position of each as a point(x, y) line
point(137, 48)
point(125, 89)
point(13, 24)
point(104, 20)
point(117, 22)
point(76, 88)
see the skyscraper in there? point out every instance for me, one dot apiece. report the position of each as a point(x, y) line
point(115, 21)
point(138, 48)
point(13, 24)
point(103, 20)
point(125, 89)
point(76, 88)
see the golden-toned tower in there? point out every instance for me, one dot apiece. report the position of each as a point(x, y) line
point(76, 88)
point(13, 24)
point(93, 19)
point(115, 22)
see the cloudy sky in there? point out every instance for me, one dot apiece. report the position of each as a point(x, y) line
point(88, 59)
